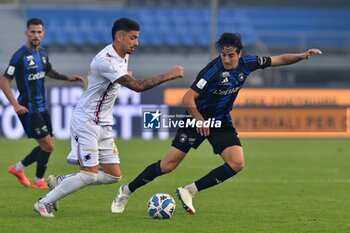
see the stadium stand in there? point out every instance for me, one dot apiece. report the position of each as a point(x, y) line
point(175, 28)
point(178, 32)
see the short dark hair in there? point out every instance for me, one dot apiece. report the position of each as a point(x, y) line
point(124, 24)
point(34, 21)
point(229, 40)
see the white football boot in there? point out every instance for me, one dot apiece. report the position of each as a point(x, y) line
point(120, 200)
point(44, 209)
point(186, 199)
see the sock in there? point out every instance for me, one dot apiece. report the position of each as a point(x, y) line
point(146, 176)
point(19, 166)
point(192, 188)
point(60, 178)
point(30, 158)
point(42, 160)
point(70, 185)
point(216, 176)
point(102, 178)
point(126, 189)
point(36, 179)
point(105, 178)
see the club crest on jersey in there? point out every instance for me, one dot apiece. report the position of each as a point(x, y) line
point(241, 77)
point(225, 78)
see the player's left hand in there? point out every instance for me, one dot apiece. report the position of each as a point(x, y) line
point(311, 52)
point(75, 78)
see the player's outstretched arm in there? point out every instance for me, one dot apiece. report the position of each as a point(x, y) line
point(287, 59)
point(56, 75)
point(148, 83)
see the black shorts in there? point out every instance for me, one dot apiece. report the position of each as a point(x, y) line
point(220, 139)
point(36, 124)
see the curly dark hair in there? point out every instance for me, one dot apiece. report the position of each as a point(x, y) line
point(228, 39)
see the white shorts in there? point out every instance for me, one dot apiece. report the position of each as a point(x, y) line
point(92, 144)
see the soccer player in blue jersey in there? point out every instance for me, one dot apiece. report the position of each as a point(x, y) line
point(29, 66)
point(211, 96)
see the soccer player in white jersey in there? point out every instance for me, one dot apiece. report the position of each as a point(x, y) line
point(91, 125)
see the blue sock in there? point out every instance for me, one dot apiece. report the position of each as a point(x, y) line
point(216, 176)
point(146, 176)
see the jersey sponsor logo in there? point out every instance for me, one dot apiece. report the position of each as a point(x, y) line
point(36, 76)
point(227, 91)
point(11, 70)
point(261, 60)
point(201, 83)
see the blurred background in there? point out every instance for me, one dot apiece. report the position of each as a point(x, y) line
point(182, 32)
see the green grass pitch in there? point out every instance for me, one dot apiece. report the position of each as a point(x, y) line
point(288, 185)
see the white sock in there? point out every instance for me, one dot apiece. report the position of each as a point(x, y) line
point(105, 178)
point(70, 185)
point(102, 178)
point(126, 189)
point(60, 178)
point(19, 166)
point(192, 188)
point(36, 179)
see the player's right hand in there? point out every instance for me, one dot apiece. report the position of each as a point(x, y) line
point(177, 72)
point(311, 52)
point(19, 109)
point(203, 131)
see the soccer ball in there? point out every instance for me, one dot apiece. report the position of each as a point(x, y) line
point(161, 206)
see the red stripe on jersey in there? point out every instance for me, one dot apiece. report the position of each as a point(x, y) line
point(101, 102)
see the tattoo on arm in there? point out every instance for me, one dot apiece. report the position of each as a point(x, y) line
point(141, 85)
point(56, 75)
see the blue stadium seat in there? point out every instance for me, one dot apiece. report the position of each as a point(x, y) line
point(276, 27)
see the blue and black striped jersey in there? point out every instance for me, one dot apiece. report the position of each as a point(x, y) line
point(218, 88)
point(29, 68)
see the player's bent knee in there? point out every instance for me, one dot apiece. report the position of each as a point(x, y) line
point(88, 177)
point(238, 167)
point(47, 148)
point(167, 168)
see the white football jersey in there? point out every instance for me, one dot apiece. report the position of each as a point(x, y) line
point(96, 103)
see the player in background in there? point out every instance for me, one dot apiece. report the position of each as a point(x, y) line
point(211, 96)
point(91, 124)
point(29, 66)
